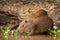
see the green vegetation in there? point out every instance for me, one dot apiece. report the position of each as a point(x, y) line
point(14, 32)
point(7, 32)
point(55, 31)
point(27, 32)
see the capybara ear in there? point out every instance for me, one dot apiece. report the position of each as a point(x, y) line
point(40, 12)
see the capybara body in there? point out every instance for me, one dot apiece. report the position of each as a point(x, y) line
point(38, 22)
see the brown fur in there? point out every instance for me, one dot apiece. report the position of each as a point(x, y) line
point(38, 22)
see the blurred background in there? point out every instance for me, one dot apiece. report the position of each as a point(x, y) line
point(12, 12)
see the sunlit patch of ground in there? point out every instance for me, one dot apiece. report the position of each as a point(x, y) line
point(36, 37)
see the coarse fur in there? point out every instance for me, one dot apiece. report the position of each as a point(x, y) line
point(36, 23)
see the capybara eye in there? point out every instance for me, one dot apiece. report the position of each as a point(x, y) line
point(26, 21)
point(22, 25)
point(24, 13)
